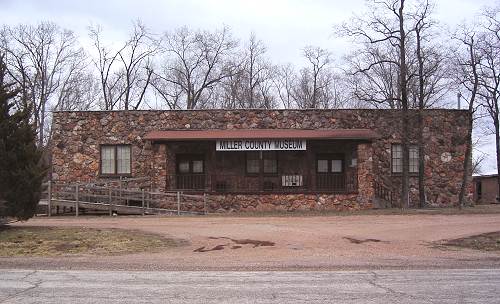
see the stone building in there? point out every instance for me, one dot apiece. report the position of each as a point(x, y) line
point(486, 189)
point(247, 160)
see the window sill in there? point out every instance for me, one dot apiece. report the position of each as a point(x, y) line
point(401, 174)
point(114, 175)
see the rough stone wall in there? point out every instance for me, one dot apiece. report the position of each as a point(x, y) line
point(77, 136)
point(489, 189)
point(285, 202)
point(365, 173)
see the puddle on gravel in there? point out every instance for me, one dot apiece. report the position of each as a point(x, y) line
point(235, 244)
point(359, 241)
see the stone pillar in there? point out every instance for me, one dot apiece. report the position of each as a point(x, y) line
point(366, 190)
point(159, 166)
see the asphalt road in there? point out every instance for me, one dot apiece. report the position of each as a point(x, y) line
point(387, 286)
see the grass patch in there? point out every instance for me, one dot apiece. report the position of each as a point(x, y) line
point(55, 241)
point(485, 242)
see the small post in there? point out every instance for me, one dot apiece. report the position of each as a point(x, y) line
point(120, 187)
point(110, 208)
point(143, 211)
point(77, 207)
point(178, 203)
point(49, 198)
point(205, 203)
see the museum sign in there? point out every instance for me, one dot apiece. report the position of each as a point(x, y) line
point(260, 145)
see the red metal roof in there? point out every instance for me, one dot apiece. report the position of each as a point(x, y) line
point(189, 135)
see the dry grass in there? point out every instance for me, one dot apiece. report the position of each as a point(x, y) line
point(486, 242)
point(52, 241)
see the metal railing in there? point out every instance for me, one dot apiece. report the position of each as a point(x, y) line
point(88, 196)
point(294, 183)
point(384, 192)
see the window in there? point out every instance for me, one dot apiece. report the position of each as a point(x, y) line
point(336, 165)
point(190, 164)
point(183, 166)
point(197, 166)
point(253, 162)
point(269, 162)
point(413, 159)
point(322, 166)
point(329, 163)
point(115, 159)
point(397, 158)
point(479, 190)
point(329, 169)
point(190, 172)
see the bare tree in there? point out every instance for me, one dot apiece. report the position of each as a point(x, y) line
point(466, 63)
point(489, 71)
point(104, 62)
point(315, 85)
point(232, 89)
point(425, 68)
point(378, 85)
point(387, 25)
point(313, 79)
point(40, 59)
point(251, 84)
point(136, 57)
point(256, 71)
point(284, 83)
point(126, 73)
point(168, 92)
point(196, 62)
point(80, 91)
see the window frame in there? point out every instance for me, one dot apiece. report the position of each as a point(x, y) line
point(275, 153)
point(190, 158)
point(261, 159)
point(479, 189)
point(410, 147)
point(115, 158)
point(329, 157)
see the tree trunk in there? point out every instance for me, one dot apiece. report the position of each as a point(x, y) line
point(467, 160)
point(405, 184)
point(42, 125)
point(421, 150)
point(421, 161)
point(468, 148)
point(497, 143)
point(405, 113)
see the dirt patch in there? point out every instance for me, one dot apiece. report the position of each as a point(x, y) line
point(485, 242)
point(202, 249)
point(51, 241)
point(254, 243)
point(361, 241)
point(308, 242)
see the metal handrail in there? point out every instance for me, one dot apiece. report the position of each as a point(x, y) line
point(384, 192)
point(118, 197)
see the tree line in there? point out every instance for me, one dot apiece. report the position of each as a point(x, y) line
point(402, 58)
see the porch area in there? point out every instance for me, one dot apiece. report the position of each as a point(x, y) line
point(266, 161)
point(296, 183)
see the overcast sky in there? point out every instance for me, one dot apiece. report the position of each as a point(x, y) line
point(285, 26)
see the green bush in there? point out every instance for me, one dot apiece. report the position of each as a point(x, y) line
point(21, 171)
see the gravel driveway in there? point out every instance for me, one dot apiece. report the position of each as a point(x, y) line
point(285, 243)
